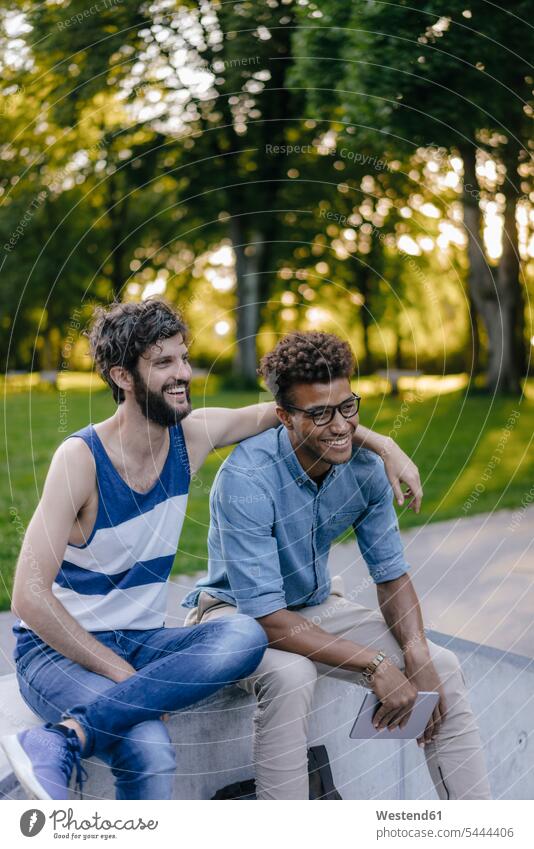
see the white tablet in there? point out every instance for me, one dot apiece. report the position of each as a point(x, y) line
point(363, 728)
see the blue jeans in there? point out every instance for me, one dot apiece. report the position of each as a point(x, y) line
point(176, 667)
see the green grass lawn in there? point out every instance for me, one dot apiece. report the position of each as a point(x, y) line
point(452, 437)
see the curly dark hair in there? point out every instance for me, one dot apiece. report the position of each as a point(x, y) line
point(305, 358)
point(122, 332)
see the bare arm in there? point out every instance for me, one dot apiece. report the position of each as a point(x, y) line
point(68, 486)
point(400, 607)
point(215, 427)
point(288, 631)
point(399, 468)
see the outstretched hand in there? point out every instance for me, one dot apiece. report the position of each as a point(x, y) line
point(403, 476)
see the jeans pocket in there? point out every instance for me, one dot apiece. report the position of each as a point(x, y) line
point(33, 661)
point(24, 662)
point(34, 694)
point(28, 695)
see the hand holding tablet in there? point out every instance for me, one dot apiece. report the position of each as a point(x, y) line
point(363, 728)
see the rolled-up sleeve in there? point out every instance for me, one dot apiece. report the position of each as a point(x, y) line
point(244, 514)
point(377, 532)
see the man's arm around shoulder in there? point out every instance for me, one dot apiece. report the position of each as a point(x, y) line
point(399, 468)
point(209, 428)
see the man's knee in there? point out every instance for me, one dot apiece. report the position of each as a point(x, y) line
point(445, 662)
point(247, 630)
point(289, 675)
point(241, 639)
point(144, 748)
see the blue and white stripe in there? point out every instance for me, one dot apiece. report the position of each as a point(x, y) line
point(118, 578)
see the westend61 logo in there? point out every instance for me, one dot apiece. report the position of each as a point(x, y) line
point(66, 825)
point(31, 822)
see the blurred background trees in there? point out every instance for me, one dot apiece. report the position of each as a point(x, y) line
point(364, 168)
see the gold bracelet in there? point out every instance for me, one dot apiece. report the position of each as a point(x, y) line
point(371, 667)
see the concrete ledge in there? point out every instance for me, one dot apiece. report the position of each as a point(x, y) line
point(213, 739)
point(501, 686)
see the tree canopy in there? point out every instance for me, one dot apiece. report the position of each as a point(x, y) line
point(365, 168)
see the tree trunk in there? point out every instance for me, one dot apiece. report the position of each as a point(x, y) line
point(493, 294)
point(399, 363)
point(365, 317)
point(473, 352)
point(116, 215)
point(248, 264)
point(48, 359)
point(511, 303)
point(509, 272)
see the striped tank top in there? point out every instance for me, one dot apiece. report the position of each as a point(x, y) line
point(118, 578)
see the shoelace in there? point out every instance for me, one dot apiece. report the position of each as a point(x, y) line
point(73, 754)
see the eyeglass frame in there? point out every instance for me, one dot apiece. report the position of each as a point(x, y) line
point(333, 409)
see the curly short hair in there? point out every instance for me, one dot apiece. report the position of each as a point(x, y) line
point(122, 332)
point(305, 358)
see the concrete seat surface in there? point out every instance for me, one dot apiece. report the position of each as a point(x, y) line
point(213, 739)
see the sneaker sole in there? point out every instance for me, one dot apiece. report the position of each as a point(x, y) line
point(23, 769)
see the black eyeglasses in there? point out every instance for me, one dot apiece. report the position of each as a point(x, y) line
point(323, 415)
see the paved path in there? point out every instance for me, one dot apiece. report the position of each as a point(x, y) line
point(474, 576)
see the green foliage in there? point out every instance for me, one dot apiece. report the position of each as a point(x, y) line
point(430, 77)
point(159, 131)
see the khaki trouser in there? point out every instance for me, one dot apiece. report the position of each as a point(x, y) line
point(284, 686)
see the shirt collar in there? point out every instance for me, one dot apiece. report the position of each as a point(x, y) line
point(287, 454)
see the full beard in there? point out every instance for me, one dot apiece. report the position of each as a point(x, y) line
point(154, 406)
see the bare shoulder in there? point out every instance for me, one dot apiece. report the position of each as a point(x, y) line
point(75, 449)
point(191, 426)
point(198, 434)
point(200, 416)
point(197, 425)
point(73, 465)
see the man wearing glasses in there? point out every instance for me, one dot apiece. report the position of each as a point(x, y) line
point(277, 504)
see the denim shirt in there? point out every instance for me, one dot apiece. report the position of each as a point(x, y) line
point(272, 527)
